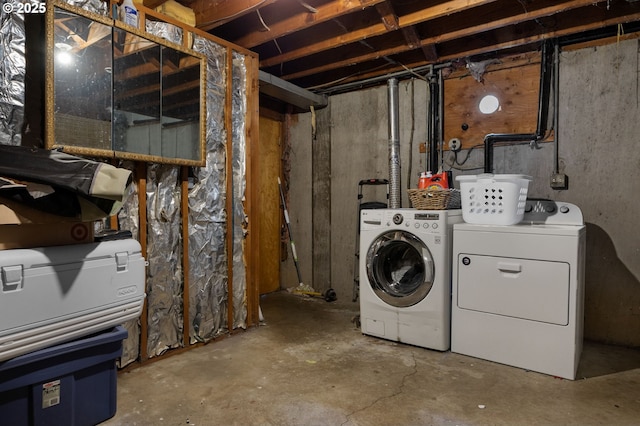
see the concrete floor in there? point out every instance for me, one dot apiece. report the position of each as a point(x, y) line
point(309, 365)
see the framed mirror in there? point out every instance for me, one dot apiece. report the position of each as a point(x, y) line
point(114, 91)
point(79, 81)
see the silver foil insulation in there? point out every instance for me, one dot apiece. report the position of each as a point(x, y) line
point(207, 198)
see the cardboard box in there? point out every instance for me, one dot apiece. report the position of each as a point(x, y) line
point(25, 227)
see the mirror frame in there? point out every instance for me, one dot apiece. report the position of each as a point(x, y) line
point(50, 142)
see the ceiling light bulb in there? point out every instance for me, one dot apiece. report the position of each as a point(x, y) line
point(489, 104)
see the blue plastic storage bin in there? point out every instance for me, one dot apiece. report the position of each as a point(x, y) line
point(71, 384)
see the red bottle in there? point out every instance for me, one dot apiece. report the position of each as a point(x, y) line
point(433, 182)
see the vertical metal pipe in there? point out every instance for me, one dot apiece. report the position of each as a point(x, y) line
point(434, 111)
point(431, 114)
point(395, 198)
point(436, 169)
point(556, 105)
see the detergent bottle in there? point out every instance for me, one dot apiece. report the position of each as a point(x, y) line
point(433, 181)
point(423, 182)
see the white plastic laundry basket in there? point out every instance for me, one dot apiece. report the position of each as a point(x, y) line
point(490, 199)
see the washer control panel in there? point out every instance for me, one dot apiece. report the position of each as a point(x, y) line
point(549, 212)
point(413, 220)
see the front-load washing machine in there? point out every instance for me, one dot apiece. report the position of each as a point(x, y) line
point(518, 290)
point(405, 273)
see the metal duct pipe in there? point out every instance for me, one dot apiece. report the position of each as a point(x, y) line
point(556, 103)
point(395, 198)
point(432, 124)
point(361, 84)
point(440, 122)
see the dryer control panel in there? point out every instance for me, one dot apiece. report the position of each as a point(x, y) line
point(549, 212)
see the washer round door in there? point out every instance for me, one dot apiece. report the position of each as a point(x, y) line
point(400, 268)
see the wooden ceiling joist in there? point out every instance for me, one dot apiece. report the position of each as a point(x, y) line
point(524, 41)
point(213, 13)
point(390, 20)
point(448, 8)
point(317, 43)
point(453, 35)
point(303, 20)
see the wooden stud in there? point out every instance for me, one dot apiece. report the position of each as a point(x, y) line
point(228, 119)
point(252, 254)
point(141, 177)
point(184, 177)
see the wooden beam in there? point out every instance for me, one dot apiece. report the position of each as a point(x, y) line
point(303, 20)
point(184, 207)
point(500, 46)
point(414, 42)
point(466, 32)
point(430, 52)
point(141, 177)
point(390, 20)
point(228, 125)
point(433, 12)
point(388, 15)
point(551, 34)
point(252, 193)
point(513, 20)
point(213, 13)
point(411, 37)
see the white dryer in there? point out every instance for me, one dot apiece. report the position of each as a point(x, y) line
point(518, 290)
point(405, 275)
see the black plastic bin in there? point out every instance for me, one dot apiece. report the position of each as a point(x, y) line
point(71, 384)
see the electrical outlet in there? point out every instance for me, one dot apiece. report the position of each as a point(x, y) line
point(455, 145)
point(559, 181)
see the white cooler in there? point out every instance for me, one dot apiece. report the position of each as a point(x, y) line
point(56, 294)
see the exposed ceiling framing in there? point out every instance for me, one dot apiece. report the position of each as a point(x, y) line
point(320, 44)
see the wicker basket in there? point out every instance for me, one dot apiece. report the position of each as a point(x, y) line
point(434, 199)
